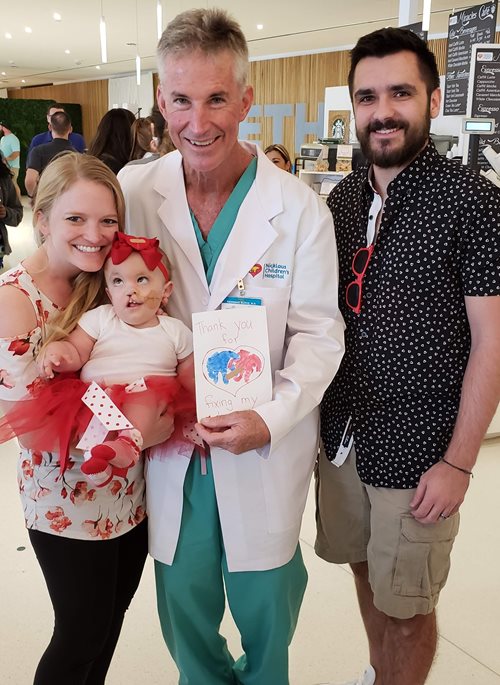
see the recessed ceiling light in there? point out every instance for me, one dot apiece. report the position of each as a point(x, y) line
point(28, 29)
point(23, 80)
point(8, 35)
point(56, 16)
point(260, 26)
point(3, 73)
point(68, 52)
point(97, 66)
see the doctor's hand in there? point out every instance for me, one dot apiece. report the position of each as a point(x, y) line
point(236, 432)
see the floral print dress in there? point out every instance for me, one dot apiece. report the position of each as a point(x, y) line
point(62, 504)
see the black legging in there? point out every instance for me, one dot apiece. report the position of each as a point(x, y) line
point(91, 584)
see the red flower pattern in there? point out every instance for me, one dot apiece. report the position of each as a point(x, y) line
point(140, 514)
point(101, 528)
point(19, 347)
point(27, 468)
point(36, 458)
point(42, 313)
point(114, 487)
point(6, 379)
point(32, 387)
point(59, 521)
point(81, 493)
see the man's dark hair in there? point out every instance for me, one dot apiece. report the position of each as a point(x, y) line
point(60, 123)
point(55, 105)
point(389, 41)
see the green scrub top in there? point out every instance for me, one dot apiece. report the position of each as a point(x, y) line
point(211, 248)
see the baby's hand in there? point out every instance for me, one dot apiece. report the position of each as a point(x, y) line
point(51, 358)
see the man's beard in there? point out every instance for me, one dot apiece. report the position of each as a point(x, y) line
point(385, 156)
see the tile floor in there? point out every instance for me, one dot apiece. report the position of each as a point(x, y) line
point(329, 643)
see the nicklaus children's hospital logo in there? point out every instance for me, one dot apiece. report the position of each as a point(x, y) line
point(274, 270)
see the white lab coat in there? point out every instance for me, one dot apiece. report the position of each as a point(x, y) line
point(261, 494)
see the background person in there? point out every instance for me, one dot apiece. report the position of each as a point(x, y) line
point(76, 140)
point(112, 142)
point(143, 144)
point(161, 140)
point(161, 135)
point(10, 148)
point(11, 209)
point(75, 529)
point(419, 255)
point(278, 154)
point(225, 215)
point(41, 155)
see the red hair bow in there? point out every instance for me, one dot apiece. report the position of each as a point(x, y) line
point(123, 245)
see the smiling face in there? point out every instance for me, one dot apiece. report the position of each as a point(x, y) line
point(79, 228)
point(392, 108)
point(203, 104)
point(136, 293)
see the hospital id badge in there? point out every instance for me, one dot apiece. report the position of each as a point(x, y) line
point(345, 444)
point(232, 302)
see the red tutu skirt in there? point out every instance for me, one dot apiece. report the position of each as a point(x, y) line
point(55, 418)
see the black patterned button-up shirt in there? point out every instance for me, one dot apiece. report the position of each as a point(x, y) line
point(407, 350)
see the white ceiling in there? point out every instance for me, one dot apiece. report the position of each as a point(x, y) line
point(289, 26)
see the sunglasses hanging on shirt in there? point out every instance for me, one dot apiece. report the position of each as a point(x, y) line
point(354, 290)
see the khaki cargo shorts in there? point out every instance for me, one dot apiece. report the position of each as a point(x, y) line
point(408, 562)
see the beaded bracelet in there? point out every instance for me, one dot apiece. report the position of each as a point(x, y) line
point(458, 468)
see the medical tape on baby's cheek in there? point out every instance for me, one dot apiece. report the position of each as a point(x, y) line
point(107, 417)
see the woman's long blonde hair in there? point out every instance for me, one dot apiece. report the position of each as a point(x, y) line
point(57, 178)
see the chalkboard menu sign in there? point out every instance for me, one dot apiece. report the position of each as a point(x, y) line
point(469, 26)
point(484, 101)
point(416, 28)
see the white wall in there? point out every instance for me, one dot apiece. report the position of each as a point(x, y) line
point(124, 92)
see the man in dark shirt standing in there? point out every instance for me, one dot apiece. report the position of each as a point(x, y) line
point(76, 139)
point(419, 253)
point(41, 155)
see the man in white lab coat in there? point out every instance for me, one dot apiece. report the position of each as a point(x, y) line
point(229, 219)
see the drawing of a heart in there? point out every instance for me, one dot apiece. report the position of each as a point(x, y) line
point(232, 369)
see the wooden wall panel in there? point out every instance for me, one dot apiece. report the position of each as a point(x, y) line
point(293, 80)
point(91, 95)
point(288, 80)
point(304, 78)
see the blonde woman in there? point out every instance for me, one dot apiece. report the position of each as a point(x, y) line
point(91, 543)
point(279, 155)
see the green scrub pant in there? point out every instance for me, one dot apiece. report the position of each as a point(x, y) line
point(191, 601)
